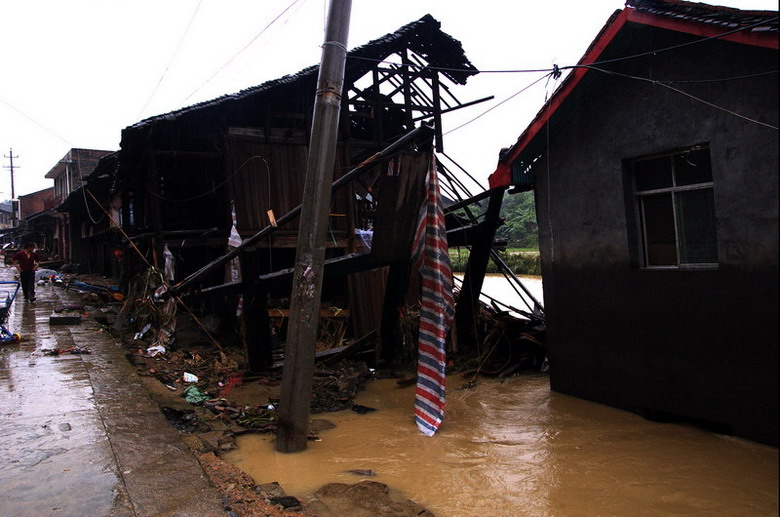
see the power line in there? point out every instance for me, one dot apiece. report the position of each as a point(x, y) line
point(681, 45)
point(568, 67)
point(555, 72)
point(240, 51)
point(721, 79)
point(173, 56)
point(28, 117)
point(13, 194)
point(670, 87)
point(449, 69)
point(499, 104)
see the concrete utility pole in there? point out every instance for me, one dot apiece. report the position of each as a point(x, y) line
point(298, 373)
point(13, 193)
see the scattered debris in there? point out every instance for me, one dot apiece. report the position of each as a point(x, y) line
point(194, 396)
point(70, 308)
point(242, 494)
point(362, 472)
point(184, 421)
point(65, 318)
point(362, 410)
point(287, 502)
point(75, 350)
point(155, 350)
point(141, 333)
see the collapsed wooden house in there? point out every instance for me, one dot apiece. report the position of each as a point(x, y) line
point(180, 176)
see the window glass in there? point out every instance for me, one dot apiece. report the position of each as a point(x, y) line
point(675, 202)
point(658, 223)
point(653, 173)
point(696, 222)
point(692, 167)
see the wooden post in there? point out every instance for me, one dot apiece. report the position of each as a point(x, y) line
point(257, 326)
point(474, 275)
point(397, 286)
point(298, 372)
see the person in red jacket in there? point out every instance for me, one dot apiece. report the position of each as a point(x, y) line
point(26, 261)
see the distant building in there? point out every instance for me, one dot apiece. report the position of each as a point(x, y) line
point(69, 173)
point(654, 167)
point(35, 202)
point(6, 215)
point(35, 222)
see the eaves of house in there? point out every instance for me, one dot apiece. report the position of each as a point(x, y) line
point(755, 28)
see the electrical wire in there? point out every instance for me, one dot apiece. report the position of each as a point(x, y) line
point(681, 45)
point(670, 87)
point(212, 189)
point(449, 69)
point(170, 61)
point(721, 79)
point(499, 104)
point(472, 178)
point(568, 67)
point(28, 117)
point(241, 50)
point(665, 83)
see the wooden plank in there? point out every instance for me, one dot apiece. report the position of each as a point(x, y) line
point(474, 276)
point(324, 313)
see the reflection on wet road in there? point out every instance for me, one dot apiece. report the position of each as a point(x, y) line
point(50, 424)
point(515, 448)
point(79, 435)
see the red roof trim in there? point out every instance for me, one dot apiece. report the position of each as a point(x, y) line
point(502, 176)
point(503, 173)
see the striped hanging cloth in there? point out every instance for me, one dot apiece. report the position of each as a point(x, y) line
point(437, 307)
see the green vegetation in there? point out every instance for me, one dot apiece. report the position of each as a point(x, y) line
point(520, 229)
point(521, 234)
point(520, 262)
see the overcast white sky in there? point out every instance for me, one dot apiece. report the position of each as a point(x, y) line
point(76, 72)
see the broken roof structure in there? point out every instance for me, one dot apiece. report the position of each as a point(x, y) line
point(418, 48)
point(183, 176)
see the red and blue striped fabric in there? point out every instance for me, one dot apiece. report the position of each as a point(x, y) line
point(437, 308)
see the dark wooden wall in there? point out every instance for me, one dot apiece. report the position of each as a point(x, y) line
point(697, 345)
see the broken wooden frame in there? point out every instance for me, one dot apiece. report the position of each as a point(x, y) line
point(399, 198)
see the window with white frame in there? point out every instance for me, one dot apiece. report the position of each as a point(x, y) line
point(675, 209)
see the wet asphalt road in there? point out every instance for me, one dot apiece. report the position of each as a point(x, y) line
point(79, 435)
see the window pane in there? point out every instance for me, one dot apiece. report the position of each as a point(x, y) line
point(653, 173)
point(693, 167)
point(658, 220)
point(696, 221)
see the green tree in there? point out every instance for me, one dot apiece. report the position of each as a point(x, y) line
point(520, 228)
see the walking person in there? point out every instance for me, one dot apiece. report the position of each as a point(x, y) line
point(26, 261)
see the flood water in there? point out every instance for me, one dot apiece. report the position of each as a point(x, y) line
point(497, 287)
point(516, 448)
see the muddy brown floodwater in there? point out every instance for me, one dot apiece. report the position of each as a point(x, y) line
point(516, 448)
